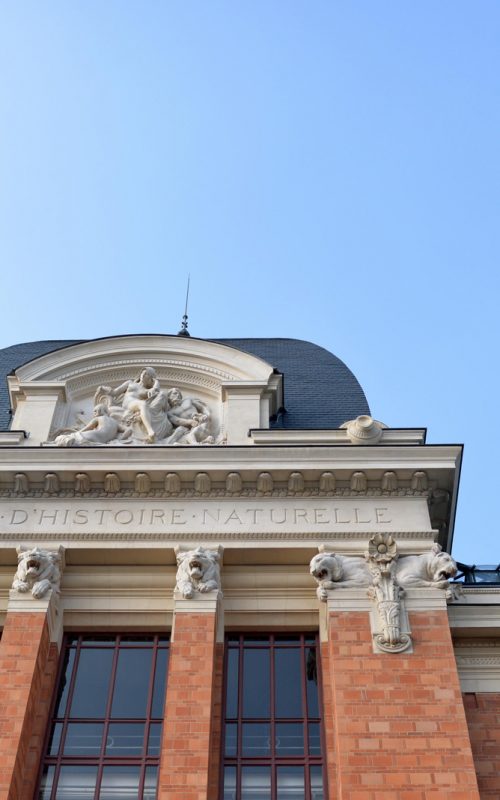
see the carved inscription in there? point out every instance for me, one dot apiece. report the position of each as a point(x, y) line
point(202, 516)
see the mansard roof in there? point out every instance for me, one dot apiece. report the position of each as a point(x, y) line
point(319, 389)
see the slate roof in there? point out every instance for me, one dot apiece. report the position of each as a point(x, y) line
point(320, 391)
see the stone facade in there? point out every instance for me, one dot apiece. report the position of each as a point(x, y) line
point(240, 527)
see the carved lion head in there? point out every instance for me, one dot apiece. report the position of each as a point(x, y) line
point(441, 565)
point(326, 567)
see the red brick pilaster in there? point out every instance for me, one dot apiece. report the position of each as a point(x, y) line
point(189, 764)
point(28, 666)
point(396, 721)
point(483, 718)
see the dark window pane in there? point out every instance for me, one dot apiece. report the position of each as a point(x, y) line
point(159, 684)
point(55, 739)
point(255, 783)
point(256, 683)
point(98, 640)
point(256, 640)
point(129, 640)
point(150, 781)
point(290, 783)
point(232, 683)
point(125, 739)
point(76, 783)
point(287, 640)
point(83, 739)
point(132, 683)
point(120, 782)
point(312, 683)
point(314, 739)
point(46, 783)
point(154, 744)
point(230, 783)
point(316, 783)
point(288, 683)
point(231, 743)
point(62, 694)
point(92, 683)
point(256, 739)
point(289, 739)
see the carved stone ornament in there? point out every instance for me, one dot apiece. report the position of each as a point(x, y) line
point(142, 483)
point(172, 483)
point(82, 482)
point(51, 483)
point(381, 558)
point(434, 568)
point(112, 483)
point(265, 483)
point(234, 484)
point(358, 482)
point(364, 430)
point(197, 571)
point(327, 482)
point(296, 482)
point(21, 483)
point(37, 571)
point(139, 412)
point(331, 571)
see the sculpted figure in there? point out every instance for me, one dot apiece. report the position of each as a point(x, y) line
point(141, 400)
point(198, 571)
point(434, 568)
point(101, 429)
point(331, 571)
point(37, 571)
point(189, 417)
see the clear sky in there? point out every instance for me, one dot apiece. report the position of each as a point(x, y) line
point(324, 170)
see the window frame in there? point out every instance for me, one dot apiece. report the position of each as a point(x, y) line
point(280, 640)
point(115, 643)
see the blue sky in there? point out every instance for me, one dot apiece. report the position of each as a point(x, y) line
point(324, 170)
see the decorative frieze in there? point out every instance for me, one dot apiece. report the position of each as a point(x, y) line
point(265, 483)
point(172, 483)
point(142, 484)
point(82, 483)
point(112, 483)
point(51, 483)
point(326, 484)
point(234, 484)
point(296, 482)
point(21, 483)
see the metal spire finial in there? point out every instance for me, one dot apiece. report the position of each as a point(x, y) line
point(184, 327)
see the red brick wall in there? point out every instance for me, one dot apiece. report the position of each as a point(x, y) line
point(28, 667)
point(189, 731)
point(483, 718)
point(399, 728)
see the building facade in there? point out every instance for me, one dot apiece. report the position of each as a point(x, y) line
point(221, 579)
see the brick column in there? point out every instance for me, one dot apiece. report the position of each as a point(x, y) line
point(29, 652)
point(396, 721)
point(189, 764)
point(483, 718)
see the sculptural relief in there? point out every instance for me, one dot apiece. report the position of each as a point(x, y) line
point(198, 571)
point(434, 568)
point(139, 412)
point(37, 571)
point(331, 571)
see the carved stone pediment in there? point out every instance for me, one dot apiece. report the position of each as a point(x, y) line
point(143, 390)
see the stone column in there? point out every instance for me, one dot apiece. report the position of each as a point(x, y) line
point(29, 651)
point(395, 721)
point(189, 767)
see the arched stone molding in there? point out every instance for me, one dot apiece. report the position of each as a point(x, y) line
point(56, 390)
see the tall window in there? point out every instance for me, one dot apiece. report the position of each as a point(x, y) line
point(272, 721)
point(105, 734)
